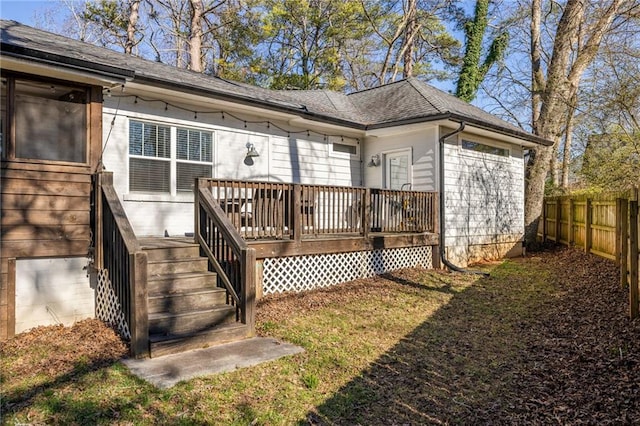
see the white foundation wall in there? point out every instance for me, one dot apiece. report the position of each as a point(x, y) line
point(422, 143)
point(52, 291)
point(484, 201)
point(299, 158)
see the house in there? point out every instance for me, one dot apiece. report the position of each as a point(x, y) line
point(101, 155)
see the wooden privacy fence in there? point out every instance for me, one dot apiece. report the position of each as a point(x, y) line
point(606, 226)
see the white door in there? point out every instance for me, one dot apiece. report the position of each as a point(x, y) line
point(397, 170)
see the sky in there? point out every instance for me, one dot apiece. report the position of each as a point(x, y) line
point(23, 11)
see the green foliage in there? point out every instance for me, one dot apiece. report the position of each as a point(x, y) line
point(612, 161)
point(303, 41)
point(111, 18)
point(473, 72)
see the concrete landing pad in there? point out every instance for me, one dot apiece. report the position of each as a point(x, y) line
point(168, 370)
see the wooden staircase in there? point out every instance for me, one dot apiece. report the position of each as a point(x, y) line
point(187, 310)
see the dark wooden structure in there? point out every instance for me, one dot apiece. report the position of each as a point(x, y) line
point(45, 208)
point(178, 294)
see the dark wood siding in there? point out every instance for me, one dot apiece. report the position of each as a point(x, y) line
point(45, 210)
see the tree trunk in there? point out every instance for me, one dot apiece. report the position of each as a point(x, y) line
point(410, 33)
point(131, 27)
point(568, 63)
point(195, 38)
point(568, 138)
point(537, 77)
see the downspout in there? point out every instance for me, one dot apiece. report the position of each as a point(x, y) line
point(443, 257)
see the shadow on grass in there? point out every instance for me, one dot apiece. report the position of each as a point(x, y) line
point(454, 367)
point(65, 409)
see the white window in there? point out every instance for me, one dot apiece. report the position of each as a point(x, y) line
point(344, 148)
point(193, 157)
point(483, 148)
point(149, 157)
point(151, 162)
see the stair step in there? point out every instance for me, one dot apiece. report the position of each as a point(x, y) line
point(191, 321)
point(174, 283)
point(186, 300)
point(162, 248)
point(160, 345)
point(176, 266)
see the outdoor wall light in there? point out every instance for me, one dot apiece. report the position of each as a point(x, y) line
point(251, 150)
point(375, 161)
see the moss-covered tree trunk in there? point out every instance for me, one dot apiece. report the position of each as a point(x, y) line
point(473, 71)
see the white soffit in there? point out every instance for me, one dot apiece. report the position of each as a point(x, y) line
point(60, 73)
point(189, 100)
point(403, 129)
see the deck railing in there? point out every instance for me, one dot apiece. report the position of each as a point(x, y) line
point(269, 210)
point(119, 255)
point(229, 255)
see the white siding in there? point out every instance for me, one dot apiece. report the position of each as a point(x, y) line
point(299, 159)
point(484, 193)
point(423, 145)
point(52, 291)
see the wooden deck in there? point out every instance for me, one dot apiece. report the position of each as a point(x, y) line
point(182, 293)
point(282, 219)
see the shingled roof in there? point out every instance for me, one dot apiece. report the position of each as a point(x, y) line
point(403, 102)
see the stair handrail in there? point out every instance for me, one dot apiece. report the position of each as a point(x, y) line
point(205, 203)
point(119, 253)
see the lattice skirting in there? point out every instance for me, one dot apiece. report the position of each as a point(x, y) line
point(107, 306)
point(300, 273)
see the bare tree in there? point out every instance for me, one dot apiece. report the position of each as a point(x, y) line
point(130, 42)
point(571, 56)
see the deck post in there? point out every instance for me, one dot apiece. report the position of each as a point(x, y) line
point(296, 219)
point(140, 321)
point(98, 255)
point(366, 213)
point(248, 259)
point(435, 215)
point(196, 210)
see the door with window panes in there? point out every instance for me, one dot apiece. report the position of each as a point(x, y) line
point(398, 170)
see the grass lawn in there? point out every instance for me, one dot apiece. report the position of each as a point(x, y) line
point(544, 339)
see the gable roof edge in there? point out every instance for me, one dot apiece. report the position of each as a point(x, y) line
point(529, 137)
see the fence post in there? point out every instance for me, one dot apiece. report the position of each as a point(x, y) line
point(633, 264)
point(587, 226)
point(544, 220)
point(570, 233)
point(558, 220)
point(623, 222)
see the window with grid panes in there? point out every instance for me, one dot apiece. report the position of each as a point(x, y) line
point(149, 157)
point(193, 157)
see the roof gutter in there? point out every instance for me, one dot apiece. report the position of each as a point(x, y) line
point(109, 72)
point(443, 256)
